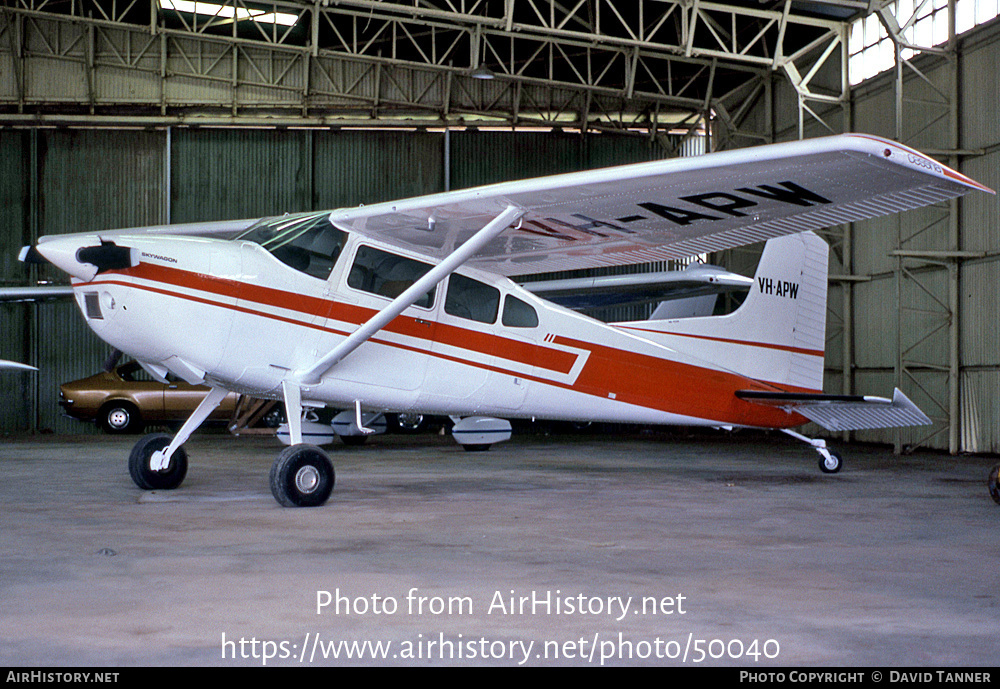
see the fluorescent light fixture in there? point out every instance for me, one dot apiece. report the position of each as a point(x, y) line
point(212, 9)
point(482, 72)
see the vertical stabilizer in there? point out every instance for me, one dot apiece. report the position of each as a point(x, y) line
point(778, 334)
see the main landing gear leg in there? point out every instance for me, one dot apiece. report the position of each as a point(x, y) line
point(302, 475)
point(158, 462)
point(830, 462)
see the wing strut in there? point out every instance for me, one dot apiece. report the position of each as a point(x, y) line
point(418, 289)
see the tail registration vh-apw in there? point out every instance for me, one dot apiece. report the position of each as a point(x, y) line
point(407, 306)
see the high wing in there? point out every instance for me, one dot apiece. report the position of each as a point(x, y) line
point(667, 209)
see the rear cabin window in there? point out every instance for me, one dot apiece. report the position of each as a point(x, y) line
point(306, 242)
point(518, 313)
point(472, 299)
point(386, 274)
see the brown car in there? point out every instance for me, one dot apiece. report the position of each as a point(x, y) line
point(126, 398)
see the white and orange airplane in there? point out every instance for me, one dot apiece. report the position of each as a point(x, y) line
point(406, 306)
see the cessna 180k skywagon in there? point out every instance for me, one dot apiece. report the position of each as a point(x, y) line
point(407, 306)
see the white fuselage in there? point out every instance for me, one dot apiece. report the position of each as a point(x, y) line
point(229, 313)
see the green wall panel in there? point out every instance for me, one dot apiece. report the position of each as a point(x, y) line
point(355, 167)
point(224, 174)
point(489, 157)
point(100, 179)
point(14, 202)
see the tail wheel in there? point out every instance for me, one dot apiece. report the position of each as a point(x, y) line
point(140, 464)
point(831, 462)
point(302, 476)
point(993, 483)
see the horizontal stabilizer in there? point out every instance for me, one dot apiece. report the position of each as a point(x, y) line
point(844, 412)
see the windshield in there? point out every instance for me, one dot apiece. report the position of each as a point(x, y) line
point(306, 242)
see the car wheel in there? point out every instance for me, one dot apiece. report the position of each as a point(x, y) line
point(120, 417)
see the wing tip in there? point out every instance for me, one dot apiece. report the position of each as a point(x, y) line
point(946, 171)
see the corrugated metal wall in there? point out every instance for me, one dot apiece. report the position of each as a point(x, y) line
point(485, 157)
point(18, 388)
point(353, 167)
point(879, 303)
point(54, 181)
point(980, 218)
point(224, 174)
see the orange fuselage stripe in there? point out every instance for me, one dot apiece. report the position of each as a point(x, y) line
point(610, 373)
point(745, 343)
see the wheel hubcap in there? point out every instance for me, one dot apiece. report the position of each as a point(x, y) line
point(153, 463)
point(410, 421)
point(118, 418)
point(307, 479)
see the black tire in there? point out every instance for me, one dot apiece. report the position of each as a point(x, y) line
point(477, 448)
point(993, 484)
point(139, 464)
point(120, 417)
point(354, 440)
point(302, 476)
point(832, 465)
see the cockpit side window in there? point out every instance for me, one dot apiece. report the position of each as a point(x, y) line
point(386, 274)
point(308, 243)
point(518, 313)
point(468, 298)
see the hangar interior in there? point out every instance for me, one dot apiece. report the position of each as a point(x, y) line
point(119, 113)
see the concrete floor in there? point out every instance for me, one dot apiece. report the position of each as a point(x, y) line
point(743, 545)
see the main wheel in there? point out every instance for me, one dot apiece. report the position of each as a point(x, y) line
point(831, 464)
point(993, 483)
point(140, 464)
point(120, 417)
point(302, 476)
